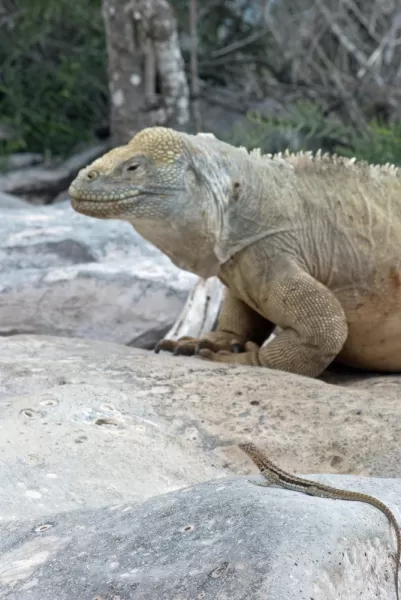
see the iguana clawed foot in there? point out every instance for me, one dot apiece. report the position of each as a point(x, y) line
point(189, 346)
point(250, 355)
point(222, 349)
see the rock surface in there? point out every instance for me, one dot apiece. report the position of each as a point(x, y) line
point(20, 160)
point(217, 540)
point(66, 274)
point(100, 410)
point(86, 426)
point(10, 202)
point(41, 183)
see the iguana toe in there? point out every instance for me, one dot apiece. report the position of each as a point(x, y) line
point(185, 345)
point(249, 357)
point(235, 348)
point(188, 346)
point(218, 346)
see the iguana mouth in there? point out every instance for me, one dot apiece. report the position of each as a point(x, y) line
point(92, 199)
point(79, 195)
point(104, 208)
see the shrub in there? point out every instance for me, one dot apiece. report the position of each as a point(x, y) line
point(53, 79)
point(309, 128)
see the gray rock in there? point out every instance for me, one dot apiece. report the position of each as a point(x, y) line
point(110, 423)
point(10, 202)
point(62, 196)
point(21, 160)
point(49, 181)
point(80, 446)
point(66, 274)
point(87, 425)
point(217, 540)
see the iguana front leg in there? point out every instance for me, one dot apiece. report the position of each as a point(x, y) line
point(313, 323)
point(237, 324)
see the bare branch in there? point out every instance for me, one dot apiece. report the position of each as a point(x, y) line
point(241, 43)
point(348, 44)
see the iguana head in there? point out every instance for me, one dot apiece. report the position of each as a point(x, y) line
point(193, 196)
point(167, 187)
point(138, 180)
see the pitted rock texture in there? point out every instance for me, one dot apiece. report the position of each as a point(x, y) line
point(86, 423)
point(214, 541)
point(99, 443)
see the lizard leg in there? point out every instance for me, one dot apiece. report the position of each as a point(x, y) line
point(265, 483)
point(269, 478)
point(237, 323)
point(313, 323)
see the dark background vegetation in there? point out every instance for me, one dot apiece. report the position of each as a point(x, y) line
point(296, 73)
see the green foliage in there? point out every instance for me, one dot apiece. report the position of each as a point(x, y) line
point(309, 128)
point(54, 91)
point(53, 79)
point(53, 75)
point(384, 146)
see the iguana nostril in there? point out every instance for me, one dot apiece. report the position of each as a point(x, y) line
point(92, 175)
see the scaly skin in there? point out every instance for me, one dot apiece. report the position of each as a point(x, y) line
point(311, 244)
point(275, 475)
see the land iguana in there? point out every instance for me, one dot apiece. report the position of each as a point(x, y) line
point(310, 243)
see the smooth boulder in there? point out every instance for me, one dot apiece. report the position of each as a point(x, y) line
point(216, 540)
point(65, 274)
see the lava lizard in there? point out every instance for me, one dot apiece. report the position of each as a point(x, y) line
point(274, 475)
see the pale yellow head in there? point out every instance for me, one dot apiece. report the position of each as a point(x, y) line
point(151, 164)
point(168, 186)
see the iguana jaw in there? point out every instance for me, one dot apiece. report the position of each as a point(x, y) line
point(101, 208)
point(184, 194)
point(161, 197)
point(197, 256)
point(121, 202)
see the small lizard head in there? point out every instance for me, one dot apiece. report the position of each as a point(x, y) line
point(258, 457)
point(251, 450)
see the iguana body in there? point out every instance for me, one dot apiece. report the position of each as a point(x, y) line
point(311, 244)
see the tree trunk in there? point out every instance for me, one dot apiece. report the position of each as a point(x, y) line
point(147, 81)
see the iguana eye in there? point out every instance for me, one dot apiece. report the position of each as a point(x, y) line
point(133, 167)
point(92, 174)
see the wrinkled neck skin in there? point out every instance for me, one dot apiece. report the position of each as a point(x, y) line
point(222, 209)
point(252, 203)
point(187, 249)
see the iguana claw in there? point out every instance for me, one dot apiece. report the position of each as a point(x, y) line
point(189, 346)
point(248, 357)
